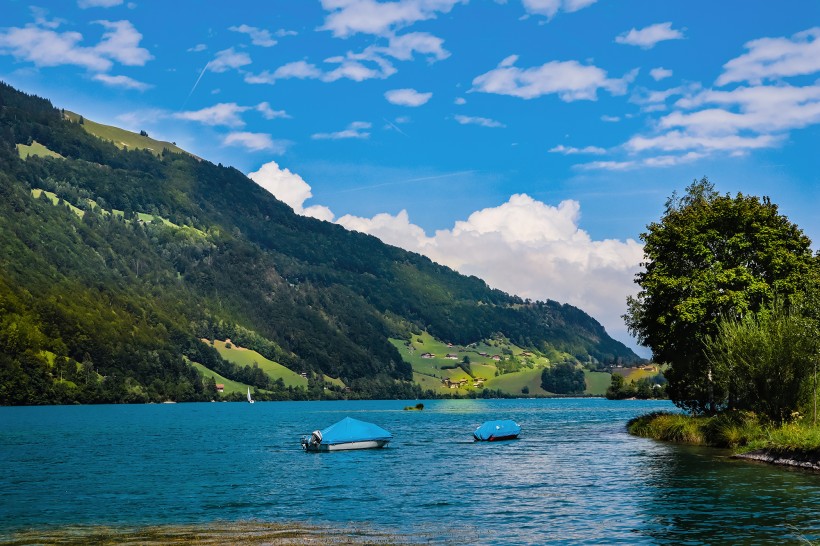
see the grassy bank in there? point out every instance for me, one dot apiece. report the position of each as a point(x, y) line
point(740, 431)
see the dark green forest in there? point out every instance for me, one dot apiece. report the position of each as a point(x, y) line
point(109, 308)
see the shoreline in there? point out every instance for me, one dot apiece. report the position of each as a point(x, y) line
point(805, 460)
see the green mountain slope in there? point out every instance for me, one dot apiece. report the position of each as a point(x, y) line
point(171, 249)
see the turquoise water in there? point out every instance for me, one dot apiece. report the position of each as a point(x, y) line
point(574, 476)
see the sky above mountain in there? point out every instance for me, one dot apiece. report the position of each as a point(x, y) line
point(527, 142)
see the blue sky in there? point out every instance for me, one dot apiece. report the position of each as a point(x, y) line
point(528, 142)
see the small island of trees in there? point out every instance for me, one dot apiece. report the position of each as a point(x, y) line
point(729, 300)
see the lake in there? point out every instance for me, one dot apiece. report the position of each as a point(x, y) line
point(574, 476)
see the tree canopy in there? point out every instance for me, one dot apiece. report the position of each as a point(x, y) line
point(711, 256)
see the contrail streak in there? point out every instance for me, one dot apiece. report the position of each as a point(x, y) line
point(394, 126)
point(397, 182)
point(195, 84)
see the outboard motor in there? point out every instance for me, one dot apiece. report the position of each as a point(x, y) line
point(310, 442)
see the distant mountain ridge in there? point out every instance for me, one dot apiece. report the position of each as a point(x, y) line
point(110, 304)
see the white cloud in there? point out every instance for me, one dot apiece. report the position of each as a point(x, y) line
point(484, 122)
point(289, 188)
point(649, 36)
point(405, 46)
point(355, 67)
point(775, 58)
point(298, 69)
point(269, 113)
point(610, 119)
point(761, 109)
point(122, 81)
point(654, 162)
point(570, 80)
point(660, 73)
point(84, 4)
point(349, 17)
point(121, 43)
point(460, 101)
point(607, 165)
point(259, 36)
point(255, 142)
point(41, 45)
point(528, 248)
point(229, 59)
point(679, 141)
point(226, 114)
point(549, 8)
point(561, 149)
point(734, 122)
point(407, 97)
point(357, 129)
point(197, 48)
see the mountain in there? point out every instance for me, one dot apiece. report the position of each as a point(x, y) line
point(116, 263)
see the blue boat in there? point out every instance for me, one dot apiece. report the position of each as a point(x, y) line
point(348, 433)
point(493, 431)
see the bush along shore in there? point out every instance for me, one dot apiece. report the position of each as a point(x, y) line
point(795, 443)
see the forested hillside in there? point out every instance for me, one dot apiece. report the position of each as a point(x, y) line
point(115, 264)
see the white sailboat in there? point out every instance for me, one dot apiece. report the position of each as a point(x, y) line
point(250, 400)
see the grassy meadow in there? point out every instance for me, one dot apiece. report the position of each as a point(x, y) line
point(246, 357)
point(36, 149)
point(122, 138)
point(513, 370)
point(230, 386)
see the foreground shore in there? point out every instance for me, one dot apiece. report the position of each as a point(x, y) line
point(248, 533)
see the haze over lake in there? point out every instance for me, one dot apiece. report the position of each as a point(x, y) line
point(574, 476)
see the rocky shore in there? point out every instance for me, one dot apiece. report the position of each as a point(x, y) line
point(809, 460)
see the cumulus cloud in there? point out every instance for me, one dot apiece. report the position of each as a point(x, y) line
point(259, 36)
point(659, 161)
point(357, 129)
point(407, 97)
point(569, 150)
point(269, 113)
point(349, 17)
point(648, 37)
point(405, 47)
point(528, 248)
point(122, 81)
point(774, 58)
point(473, 120)
point(226, 114)
point(42, 45)
point(660, 73)
point(289, 188)
point(255, 142)
point(84, 4)
point(570, 80)
point(549, 8)
point(735, 122)
point(229, 59)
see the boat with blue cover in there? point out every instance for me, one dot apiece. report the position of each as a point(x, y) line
point(347, 434)
point(493, 431)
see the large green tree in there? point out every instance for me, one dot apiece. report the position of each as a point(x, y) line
point(711, 256)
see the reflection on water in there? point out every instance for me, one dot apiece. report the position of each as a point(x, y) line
point(574, 476)
point(702, 496)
